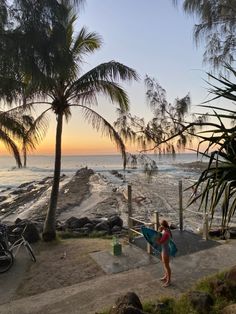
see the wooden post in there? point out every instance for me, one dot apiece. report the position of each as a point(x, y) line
point(149, 248)
point(205, 227)
point(130, 222)
point(180, 206)
point(156, 220)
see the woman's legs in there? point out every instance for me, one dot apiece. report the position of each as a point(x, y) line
point(165, 273)
point(166, 264)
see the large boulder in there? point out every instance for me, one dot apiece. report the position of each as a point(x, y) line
point(230, 309)
point(230, 276)
point(74, 223)
point(31, 233)
point(102, 226)
point(115, 221)
point(127, 304)
point(201, 301)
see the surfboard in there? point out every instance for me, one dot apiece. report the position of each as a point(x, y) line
point(151, 237)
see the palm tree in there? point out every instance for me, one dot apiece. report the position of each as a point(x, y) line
point(34, 131)
point(65, 86)
point(11, 129)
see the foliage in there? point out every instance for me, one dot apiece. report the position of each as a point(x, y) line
point(50, 76)
point(11, 130)
point(217, 26)
point(182, 305)
point(168, 131)
point(219, 179)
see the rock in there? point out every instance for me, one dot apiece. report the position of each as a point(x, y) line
point(173, 226)
point(23, 185)
point(102, 226)
point(232, 232)
point(74, 223)
point(127, 304)
point(31, 233)
point(116, 229)
point(81, 231)
point(129, 310)
point(96, 221)
point(201, 301)
point(220, 288)
point(230, 309)
point(89, 226)
point(19, 191)
point(84, 171)
point(214, 232)
point(230, 276)
point(115, 221)
point(3, 198)
point(18, 221)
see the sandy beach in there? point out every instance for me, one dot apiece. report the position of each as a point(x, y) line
point(102, 194)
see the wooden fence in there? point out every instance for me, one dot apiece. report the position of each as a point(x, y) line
point(134, 223)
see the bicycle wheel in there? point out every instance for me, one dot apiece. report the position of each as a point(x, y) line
point(30, 251)
point(6, 260)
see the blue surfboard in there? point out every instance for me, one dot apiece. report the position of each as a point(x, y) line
point(151, 237)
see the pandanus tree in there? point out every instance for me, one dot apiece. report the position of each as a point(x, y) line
point(65, 87)
point(217, 183)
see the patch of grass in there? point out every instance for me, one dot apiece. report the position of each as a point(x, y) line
point(163, 306)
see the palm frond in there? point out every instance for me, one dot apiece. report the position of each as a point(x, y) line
point(11, 146)
point(101, 124)
point(85, 92)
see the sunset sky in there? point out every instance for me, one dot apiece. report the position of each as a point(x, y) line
point(150, 36)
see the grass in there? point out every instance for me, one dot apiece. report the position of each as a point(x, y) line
point(183, 306)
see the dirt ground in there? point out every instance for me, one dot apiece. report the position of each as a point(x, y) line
point(61, 264)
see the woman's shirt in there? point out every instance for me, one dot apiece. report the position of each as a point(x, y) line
point(164, 241)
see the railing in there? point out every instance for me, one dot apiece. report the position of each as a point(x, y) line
point(132, 228)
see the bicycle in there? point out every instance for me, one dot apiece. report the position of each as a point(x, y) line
point(9, 251)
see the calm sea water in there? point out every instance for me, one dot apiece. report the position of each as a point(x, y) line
point(42, 166)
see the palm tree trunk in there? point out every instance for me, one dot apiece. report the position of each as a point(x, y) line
point(49, 230)
point(24, 156)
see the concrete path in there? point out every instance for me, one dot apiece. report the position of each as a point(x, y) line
point(94, 295)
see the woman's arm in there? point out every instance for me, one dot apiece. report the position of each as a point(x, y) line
point(164, 238)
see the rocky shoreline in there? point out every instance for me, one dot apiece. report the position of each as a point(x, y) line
point(98, 197)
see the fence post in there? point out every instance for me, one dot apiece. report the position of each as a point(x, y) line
point(156, 220)
point(149, 248)
point(180, 205)
point(129, 212)
point(205, 227)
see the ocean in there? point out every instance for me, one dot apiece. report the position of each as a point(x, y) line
point(39, 167)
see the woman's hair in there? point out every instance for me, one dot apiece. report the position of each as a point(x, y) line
point(165, 224)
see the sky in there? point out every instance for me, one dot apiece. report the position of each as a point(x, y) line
point(151, 36)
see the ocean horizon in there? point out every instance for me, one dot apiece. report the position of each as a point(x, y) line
point(40, 166)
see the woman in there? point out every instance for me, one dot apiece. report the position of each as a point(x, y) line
point(165, 254)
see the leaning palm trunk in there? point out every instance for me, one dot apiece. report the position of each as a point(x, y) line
point(49, 230)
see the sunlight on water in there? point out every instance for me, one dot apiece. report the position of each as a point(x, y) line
point(42, 166)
